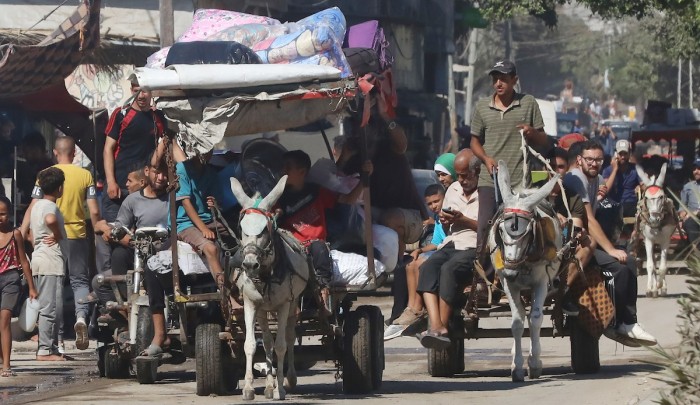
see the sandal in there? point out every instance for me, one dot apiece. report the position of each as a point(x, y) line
point(434, 340)
point(152, 351)
point(8, 373)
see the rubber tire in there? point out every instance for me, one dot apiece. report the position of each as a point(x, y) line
point(377, 344)
point(447, 362)
point(458, 356)
point(101, 352)
point(357, 353)
point(144, 329)
point(585, 353)
point(209, 359)
point(116, 367)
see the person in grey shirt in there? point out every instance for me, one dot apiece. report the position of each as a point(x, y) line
point(690, 197)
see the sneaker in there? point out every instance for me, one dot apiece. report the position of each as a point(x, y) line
point(612, 334)
point(407, 318)
point(636, 333)
point(61, 348)
point(81, 337)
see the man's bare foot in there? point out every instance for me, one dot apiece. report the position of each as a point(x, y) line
point(50, 357)
point(34, 338)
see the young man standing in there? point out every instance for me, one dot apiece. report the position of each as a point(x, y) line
point(496, 126)
point(690, 197)
point(621, 179)
point(78, 191)
point(48, 231)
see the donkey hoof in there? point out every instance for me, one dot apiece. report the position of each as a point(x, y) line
point(279, 394)
point(290, 383)
point(662, 292)
point(650, 294)
point(269, 392)
point(248, 395)
point(534, 373)
point(655, 294)
point(518, 375)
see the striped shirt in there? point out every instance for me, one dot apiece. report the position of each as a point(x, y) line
point(497, 130)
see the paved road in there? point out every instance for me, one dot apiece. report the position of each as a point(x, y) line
point(625, 378)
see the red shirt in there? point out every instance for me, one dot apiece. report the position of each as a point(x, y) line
point(304, 212)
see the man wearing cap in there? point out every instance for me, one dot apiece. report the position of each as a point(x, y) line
point(690, 197)
point(621, 179)
point(495, 128)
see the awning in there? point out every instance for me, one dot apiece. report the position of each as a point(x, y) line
point(666, 134)
point(28, 70)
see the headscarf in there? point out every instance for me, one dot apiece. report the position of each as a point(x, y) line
point(446, 163)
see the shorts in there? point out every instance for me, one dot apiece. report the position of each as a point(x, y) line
point(194, 236)
point(447, 272)
point(10, 290)
point(412, 221)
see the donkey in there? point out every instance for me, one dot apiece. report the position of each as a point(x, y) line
point(269, 282)
point(524, 263)
point(656, 219)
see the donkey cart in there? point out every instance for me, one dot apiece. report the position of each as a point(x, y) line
point(227, 345)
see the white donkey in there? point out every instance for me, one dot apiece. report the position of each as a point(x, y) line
point(656, 221)
point(268, 285)
point(523, 264)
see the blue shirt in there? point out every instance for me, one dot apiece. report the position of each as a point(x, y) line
point(623, 189)
point(228, 200)
point(197, 188)
point(689, 196)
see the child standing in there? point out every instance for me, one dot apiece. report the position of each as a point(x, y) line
point(47, 227)
point(13, 260)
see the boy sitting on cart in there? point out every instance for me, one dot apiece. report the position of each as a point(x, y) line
point(304, 207)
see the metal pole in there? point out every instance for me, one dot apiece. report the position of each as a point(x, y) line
point(451, 104)
point(469, 81)
point(369, 242)
point(15, 191)
point(167, 23)
point(678, 103)
point(690, 83)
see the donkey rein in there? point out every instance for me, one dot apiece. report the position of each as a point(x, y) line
point(525, 148)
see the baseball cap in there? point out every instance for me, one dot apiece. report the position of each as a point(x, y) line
point(622, 146)
point(503, 66)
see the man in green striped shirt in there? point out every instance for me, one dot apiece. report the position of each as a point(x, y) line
point(496, 126)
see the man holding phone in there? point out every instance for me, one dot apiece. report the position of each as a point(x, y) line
point(448, 270)
point(622, 180)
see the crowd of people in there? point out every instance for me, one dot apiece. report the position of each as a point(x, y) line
point(435, 272)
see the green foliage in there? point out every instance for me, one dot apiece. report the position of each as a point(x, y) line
point(682, 366)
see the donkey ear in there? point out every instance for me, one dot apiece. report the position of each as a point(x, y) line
point(662, 176)
point(274, 195)
point(241, 196)
point(540, 194)
point(643, 176)
point(504, 183)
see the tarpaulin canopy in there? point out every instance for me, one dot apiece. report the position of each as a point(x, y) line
point(27, 70)
point(666, 134)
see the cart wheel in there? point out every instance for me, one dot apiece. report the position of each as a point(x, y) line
point(212, 362)
point(115, 363)
point(447, 362)
point(146, 371)
point(101, 353)
point(144, 329)
point(458, 356)
point(377, 344)
point(357, 353)
point(585, 356)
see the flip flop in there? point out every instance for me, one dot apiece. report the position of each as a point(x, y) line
point(434, 340)
point(8, 373)
point(152, 351)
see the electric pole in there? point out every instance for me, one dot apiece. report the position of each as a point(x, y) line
point(167, 23)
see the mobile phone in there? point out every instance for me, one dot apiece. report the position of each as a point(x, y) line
point(448, 210)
